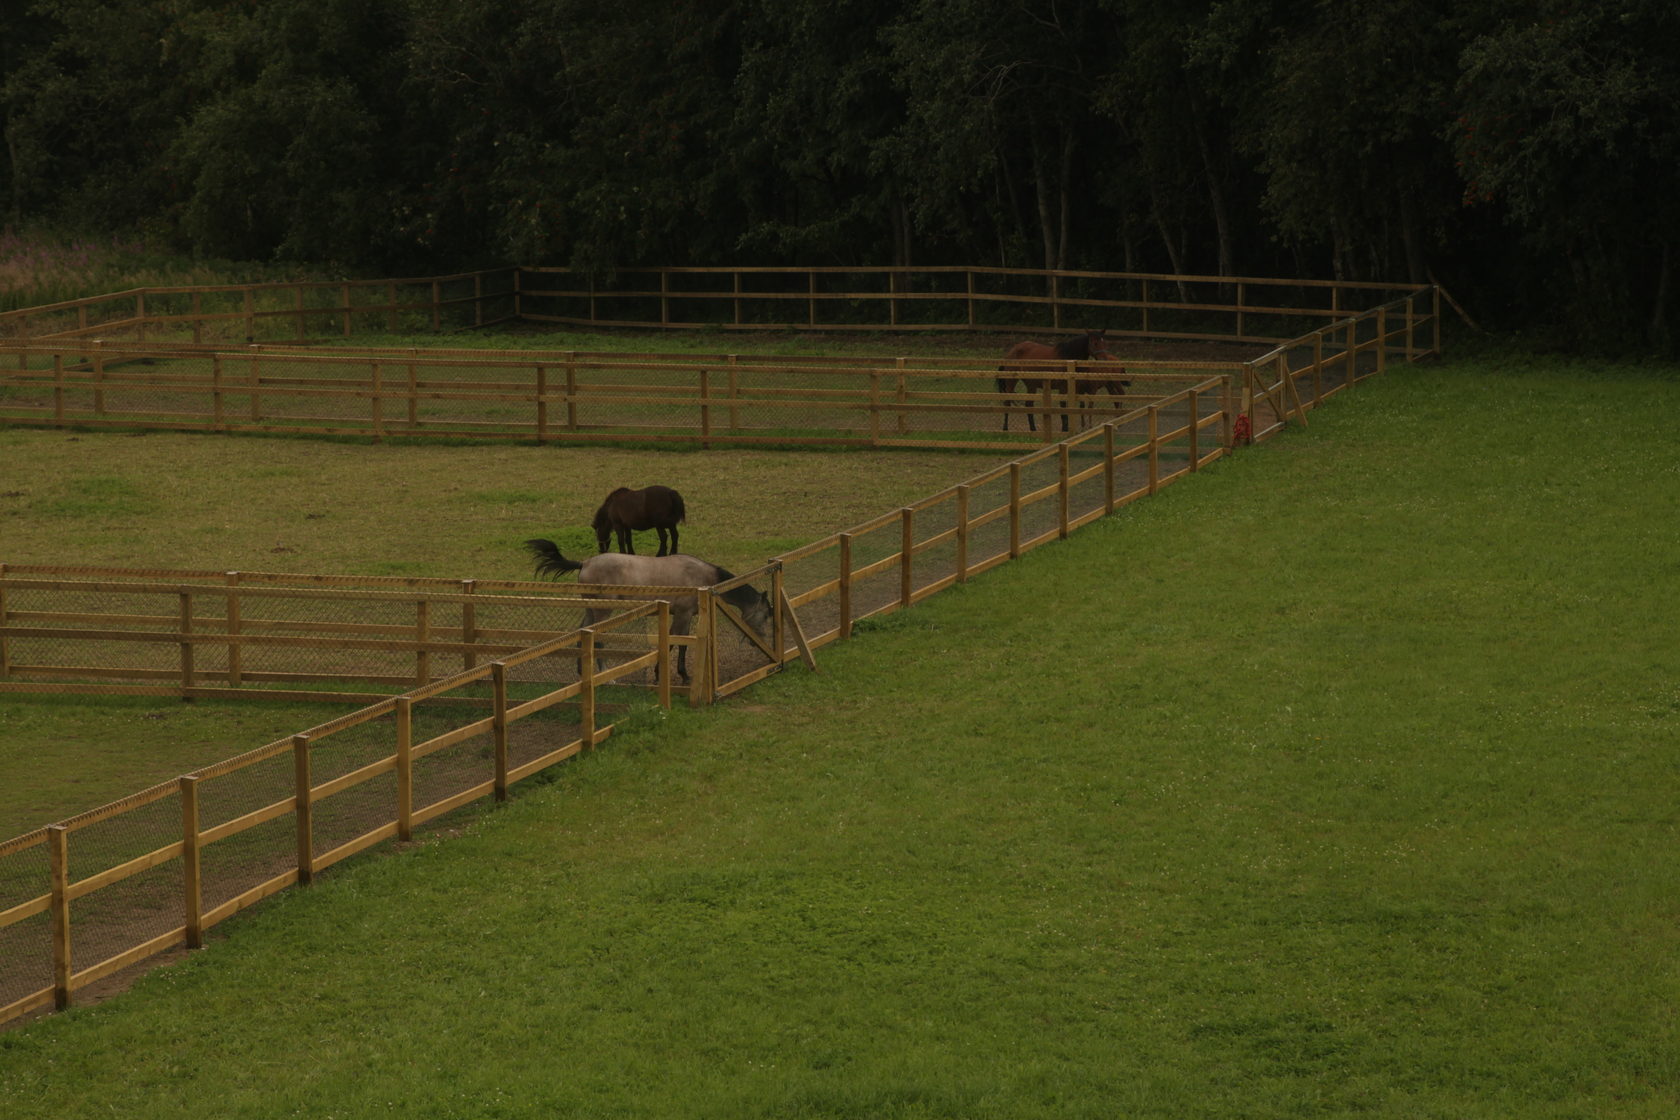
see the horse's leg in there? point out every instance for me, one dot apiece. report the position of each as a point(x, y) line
point(660, 529)
point(681, 623)
point(674, 548)
point(626, 541)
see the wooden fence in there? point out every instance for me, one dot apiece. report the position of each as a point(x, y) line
point(565, 396)
point(175, 859)
point(299, 310)
point(156, 869)
point(1134, 304)
point(1249, 309)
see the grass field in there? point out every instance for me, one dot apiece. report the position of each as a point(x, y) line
point(1338, 781)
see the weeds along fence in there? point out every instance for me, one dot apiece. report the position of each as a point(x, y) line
point(104, 891)
point(706, 400)
point(1250, 310)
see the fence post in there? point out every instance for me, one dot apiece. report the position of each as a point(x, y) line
point(469, 624)
point(235, 653)
point(58, 388)
point(571, 389)
point(662, 664)
point(58, 860)
point(98, 376)
point(906, 555)
point(218, 417)
point(971, 298)
point(391, 310)
point(1382, 339)
point(250, 317)
point(305, 811)
point(845, 585)
point(422, 635)
point(437, 305)
point(377, 401)
point(499, 725)
point(405, 767)
point(962, 533)
point(254, 381)
point(1108, 468)
point(903, 396)
point(698, 694)
point(734, 395)
point(5, 643)
point(1195, 429)
point(1062, 491)
point(778, 627)
point(705, 411)
point(1014, 511)
point(344, 292)
point(542, 404)
point(191, 870)
point(186, 615)
point(1154, 447)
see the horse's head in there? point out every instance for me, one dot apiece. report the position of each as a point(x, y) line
point(1096, 344)
point(603, 528)
point(754, 606)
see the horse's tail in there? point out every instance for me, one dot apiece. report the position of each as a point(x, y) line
point(679, 512)
point(549, 560)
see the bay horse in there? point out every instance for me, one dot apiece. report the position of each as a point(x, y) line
point(627, 510)
point(1023, 364)
point(620, 569)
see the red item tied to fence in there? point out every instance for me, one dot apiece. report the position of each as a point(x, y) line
point(1241, 432)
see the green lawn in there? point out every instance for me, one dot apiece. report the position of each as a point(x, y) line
point(1337, 781)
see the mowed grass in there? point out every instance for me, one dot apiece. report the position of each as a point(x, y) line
point(285, 505)
point(1338, 781)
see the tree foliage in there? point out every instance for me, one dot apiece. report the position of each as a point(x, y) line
point(1525, 154)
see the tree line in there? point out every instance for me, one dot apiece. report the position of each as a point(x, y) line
point(1524, 153)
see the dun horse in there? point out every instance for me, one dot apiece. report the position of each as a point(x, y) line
point(627, 510)
point(1023, 364)
point(619, 569)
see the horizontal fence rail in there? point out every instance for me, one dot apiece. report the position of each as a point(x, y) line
point(94, 894)
point(569, 397)
point(1127, 304)
point(103, 891)
point(300, 310)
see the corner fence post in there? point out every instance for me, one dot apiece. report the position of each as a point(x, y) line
point(845, 585)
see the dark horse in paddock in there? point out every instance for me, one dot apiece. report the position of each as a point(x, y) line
point(617, 569)
point(627, 510)
point(1023, 364)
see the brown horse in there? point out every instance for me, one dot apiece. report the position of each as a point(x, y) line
point(627, 510)
point(676, 570)
point(1024, 364)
